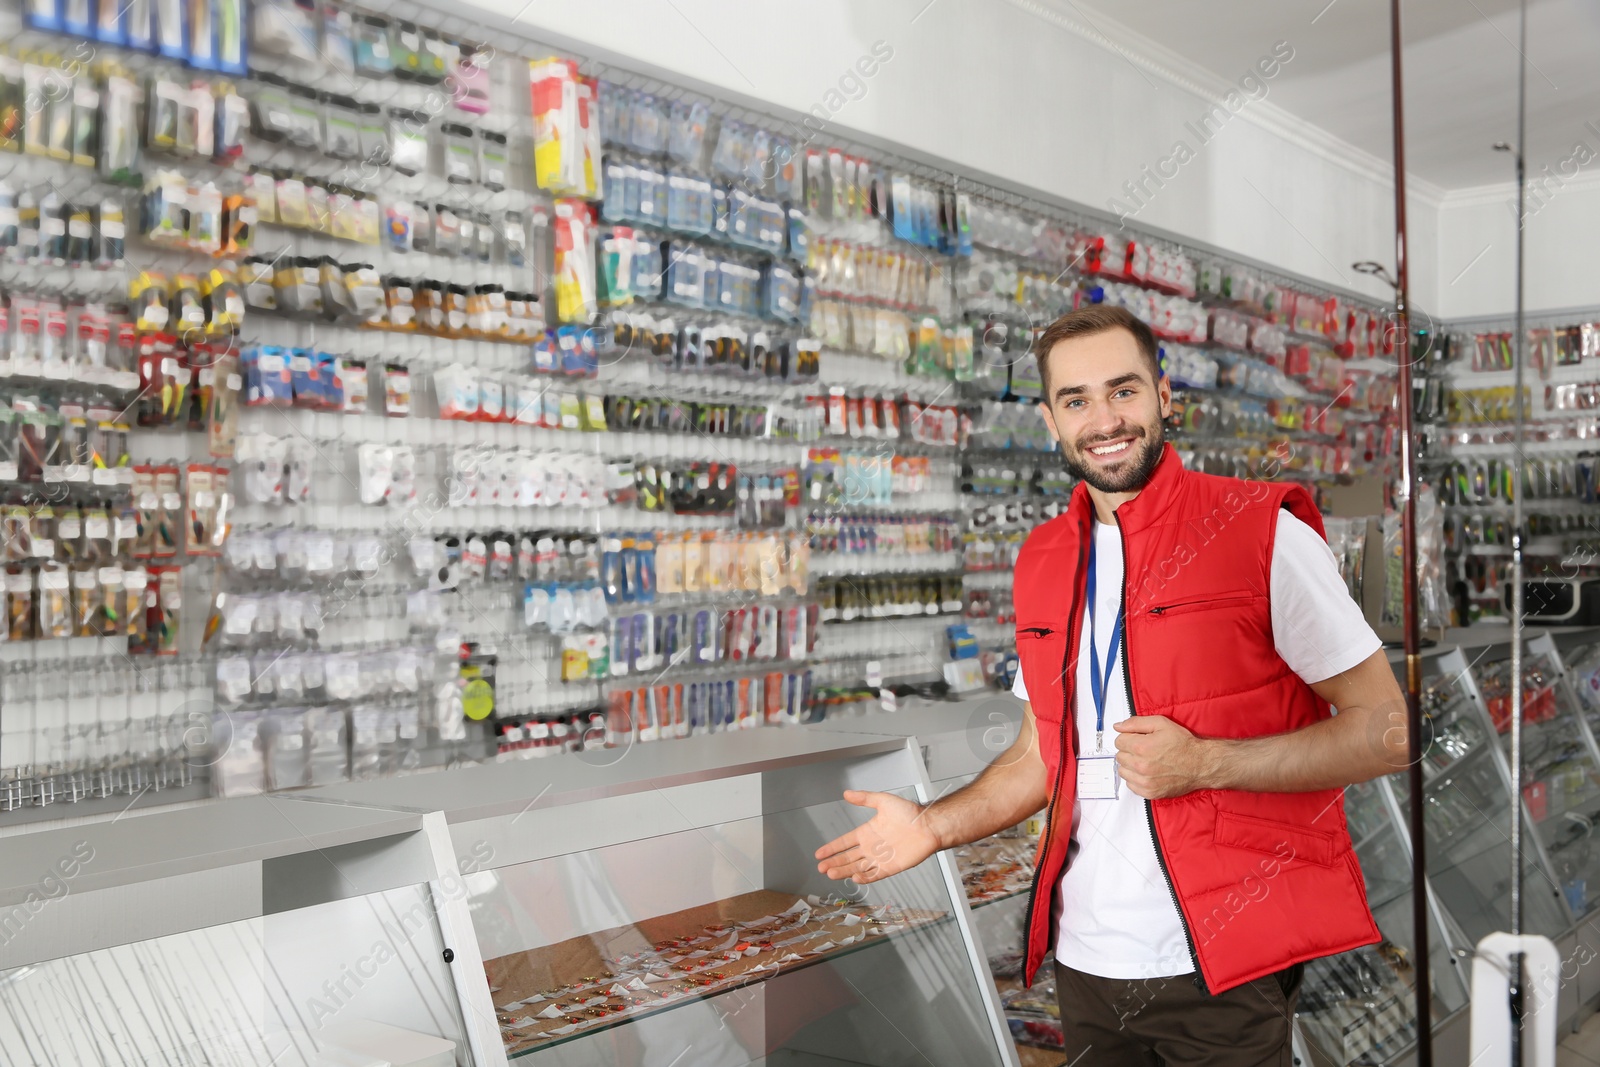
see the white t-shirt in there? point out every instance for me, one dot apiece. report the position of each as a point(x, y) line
point(1121, 918)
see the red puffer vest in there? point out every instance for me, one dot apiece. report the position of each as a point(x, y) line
point(1262, 880)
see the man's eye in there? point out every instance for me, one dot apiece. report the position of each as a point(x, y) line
point(1122, 393)
point(1073, 404)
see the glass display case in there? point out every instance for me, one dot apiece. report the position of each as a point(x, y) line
point(661, 905)
point(1583, 678)
point(1561, 770)
point(1358, 1008)
point(958, 740)
point(263, 931)
point(1468, 787)
point(649, 906)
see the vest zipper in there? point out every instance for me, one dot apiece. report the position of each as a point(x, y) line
point(1149, 806)
point(1061, 766)
point(1041, 631)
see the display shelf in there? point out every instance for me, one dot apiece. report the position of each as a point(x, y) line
point(1490, 635)
point(1459, 763)
point(1035, 1056)
point(200, 933)
point(849, 564)
point(995, 869)
point(551, 994)
point(1029, 1053)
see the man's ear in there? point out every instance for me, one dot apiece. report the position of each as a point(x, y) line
point(1164, 390)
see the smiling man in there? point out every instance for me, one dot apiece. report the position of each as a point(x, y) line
point(1182, 639)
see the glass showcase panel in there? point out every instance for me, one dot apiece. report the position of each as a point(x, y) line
point(352, 981)
point(996, 874)
point(1356, 1008)
point(1469, 811)
point(724, 945)
point(1560, 777)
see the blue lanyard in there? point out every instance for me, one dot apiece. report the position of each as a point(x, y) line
point(1098, 677)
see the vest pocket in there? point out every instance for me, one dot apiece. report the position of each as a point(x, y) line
point(1205, 603)
point(1283, 840)
point(1040, 650)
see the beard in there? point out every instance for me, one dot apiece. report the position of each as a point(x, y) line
point(1126, 476)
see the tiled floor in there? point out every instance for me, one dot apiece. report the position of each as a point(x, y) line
point(1581, 1049)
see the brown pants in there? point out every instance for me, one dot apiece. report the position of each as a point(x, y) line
point(1151, 1022)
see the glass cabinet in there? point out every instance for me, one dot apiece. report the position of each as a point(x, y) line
point(651, 906)
point(958, 740)
point(662, 905)
point(1358, 1007)
point(1467, 786)
point(263, 931)
point(1561, 771)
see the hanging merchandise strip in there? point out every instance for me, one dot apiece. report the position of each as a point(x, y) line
point(377, 397)
point(1469, 400)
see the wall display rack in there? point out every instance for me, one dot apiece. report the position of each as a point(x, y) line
point(367, 382)
point(1471, 461)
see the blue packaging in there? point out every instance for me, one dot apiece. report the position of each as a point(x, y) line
point(110, 24)
point(139, 25)
point(171, 29)
point(43, 15)
point(545, 360)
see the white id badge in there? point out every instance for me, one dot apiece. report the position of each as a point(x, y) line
point(1097, 778)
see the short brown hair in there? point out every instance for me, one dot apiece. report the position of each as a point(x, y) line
point(1088, 321)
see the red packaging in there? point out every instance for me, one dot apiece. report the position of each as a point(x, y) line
point(772, 693)
point(1537, 795)
point(619, 717)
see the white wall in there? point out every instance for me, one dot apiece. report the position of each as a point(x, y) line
point(1024, 91)
point(1477, 245)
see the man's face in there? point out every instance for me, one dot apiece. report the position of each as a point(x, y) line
point(1106, 410)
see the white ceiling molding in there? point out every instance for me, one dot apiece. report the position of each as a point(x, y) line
point(1506, 192)
point(1201, 82)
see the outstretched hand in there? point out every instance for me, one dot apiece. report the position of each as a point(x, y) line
point(897, 838)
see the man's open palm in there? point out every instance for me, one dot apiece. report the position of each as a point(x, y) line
point(896, 838)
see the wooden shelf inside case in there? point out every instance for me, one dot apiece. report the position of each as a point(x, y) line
point(995, 869)
point(586, 984)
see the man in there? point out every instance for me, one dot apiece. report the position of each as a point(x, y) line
point(1195, 851)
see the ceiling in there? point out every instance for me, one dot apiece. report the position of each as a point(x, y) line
point(1460, 57)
